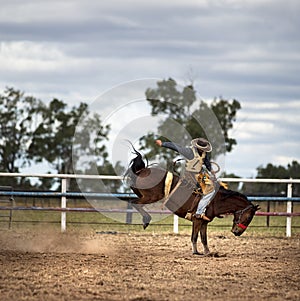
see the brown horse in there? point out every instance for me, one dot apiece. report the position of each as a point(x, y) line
point(148, 183)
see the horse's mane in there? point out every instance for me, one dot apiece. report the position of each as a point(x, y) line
point(227, 193)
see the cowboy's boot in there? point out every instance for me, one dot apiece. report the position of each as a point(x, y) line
point(202, 216)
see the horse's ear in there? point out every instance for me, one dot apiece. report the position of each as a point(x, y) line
point(257, 207)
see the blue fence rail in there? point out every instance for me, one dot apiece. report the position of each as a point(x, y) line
point(64, 194)
point(121, 196)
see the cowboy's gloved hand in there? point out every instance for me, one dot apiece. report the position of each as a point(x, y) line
point(208, 181)
point(158, 142)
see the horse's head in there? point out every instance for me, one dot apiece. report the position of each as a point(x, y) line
point(242, 218)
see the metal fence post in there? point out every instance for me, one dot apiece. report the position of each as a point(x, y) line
point(268, 217)
point(175, 224)
point(63, 204)
point(289, 210)
point(129, 214)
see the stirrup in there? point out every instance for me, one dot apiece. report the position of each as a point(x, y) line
point(202, 216)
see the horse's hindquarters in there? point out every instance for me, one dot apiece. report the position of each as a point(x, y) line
point(151, 179)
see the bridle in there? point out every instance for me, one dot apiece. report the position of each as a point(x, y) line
point(240, 213)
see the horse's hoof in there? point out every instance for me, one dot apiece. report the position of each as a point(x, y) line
point(214, 254)
point(146, 221)
point(204, 254)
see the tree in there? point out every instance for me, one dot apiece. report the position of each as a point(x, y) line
point(105, 168)
point(184, 117)
point(294, 172)
point(19, 115)
point(53, 140)
point(34, 132)
point(270, 171)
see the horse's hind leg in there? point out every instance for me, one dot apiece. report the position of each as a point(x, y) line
point(146, 216)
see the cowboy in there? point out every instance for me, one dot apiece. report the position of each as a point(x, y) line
point(197, 160)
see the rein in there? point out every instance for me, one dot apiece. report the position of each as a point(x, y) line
point(241, 212)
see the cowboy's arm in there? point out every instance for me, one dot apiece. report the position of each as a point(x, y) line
point(184, 151)
point(207, 163)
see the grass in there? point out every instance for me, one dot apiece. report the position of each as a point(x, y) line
point(99, 222)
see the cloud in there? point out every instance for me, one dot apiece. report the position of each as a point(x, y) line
point(247, 50)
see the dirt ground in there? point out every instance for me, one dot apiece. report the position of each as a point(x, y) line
point(48, 265)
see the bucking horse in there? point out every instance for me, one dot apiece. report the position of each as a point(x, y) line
point(153, 184)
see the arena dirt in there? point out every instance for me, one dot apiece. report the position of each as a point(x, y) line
point(48, 265)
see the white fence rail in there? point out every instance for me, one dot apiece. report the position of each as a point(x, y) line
point(64, 178)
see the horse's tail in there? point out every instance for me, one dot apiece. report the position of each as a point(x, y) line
point(137, 163)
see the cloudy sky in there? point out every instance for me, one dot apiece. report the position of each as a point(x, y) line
point(243, 49)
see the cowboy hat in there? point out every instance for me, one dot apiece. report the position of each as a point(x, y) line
point(202, 144)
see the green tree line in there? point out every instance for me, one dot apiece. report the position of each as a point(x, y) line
point(33, 132)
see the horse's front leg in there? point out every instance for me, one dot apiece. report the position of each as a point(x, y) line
point(203, 234)
point(146, 216)
point(194, 237)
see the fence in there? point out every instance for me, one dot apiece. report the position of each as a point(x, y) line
point(63, 195)
point(9, 204)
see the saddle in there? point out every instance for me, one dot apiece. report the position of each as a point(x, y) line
point(205, 185)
